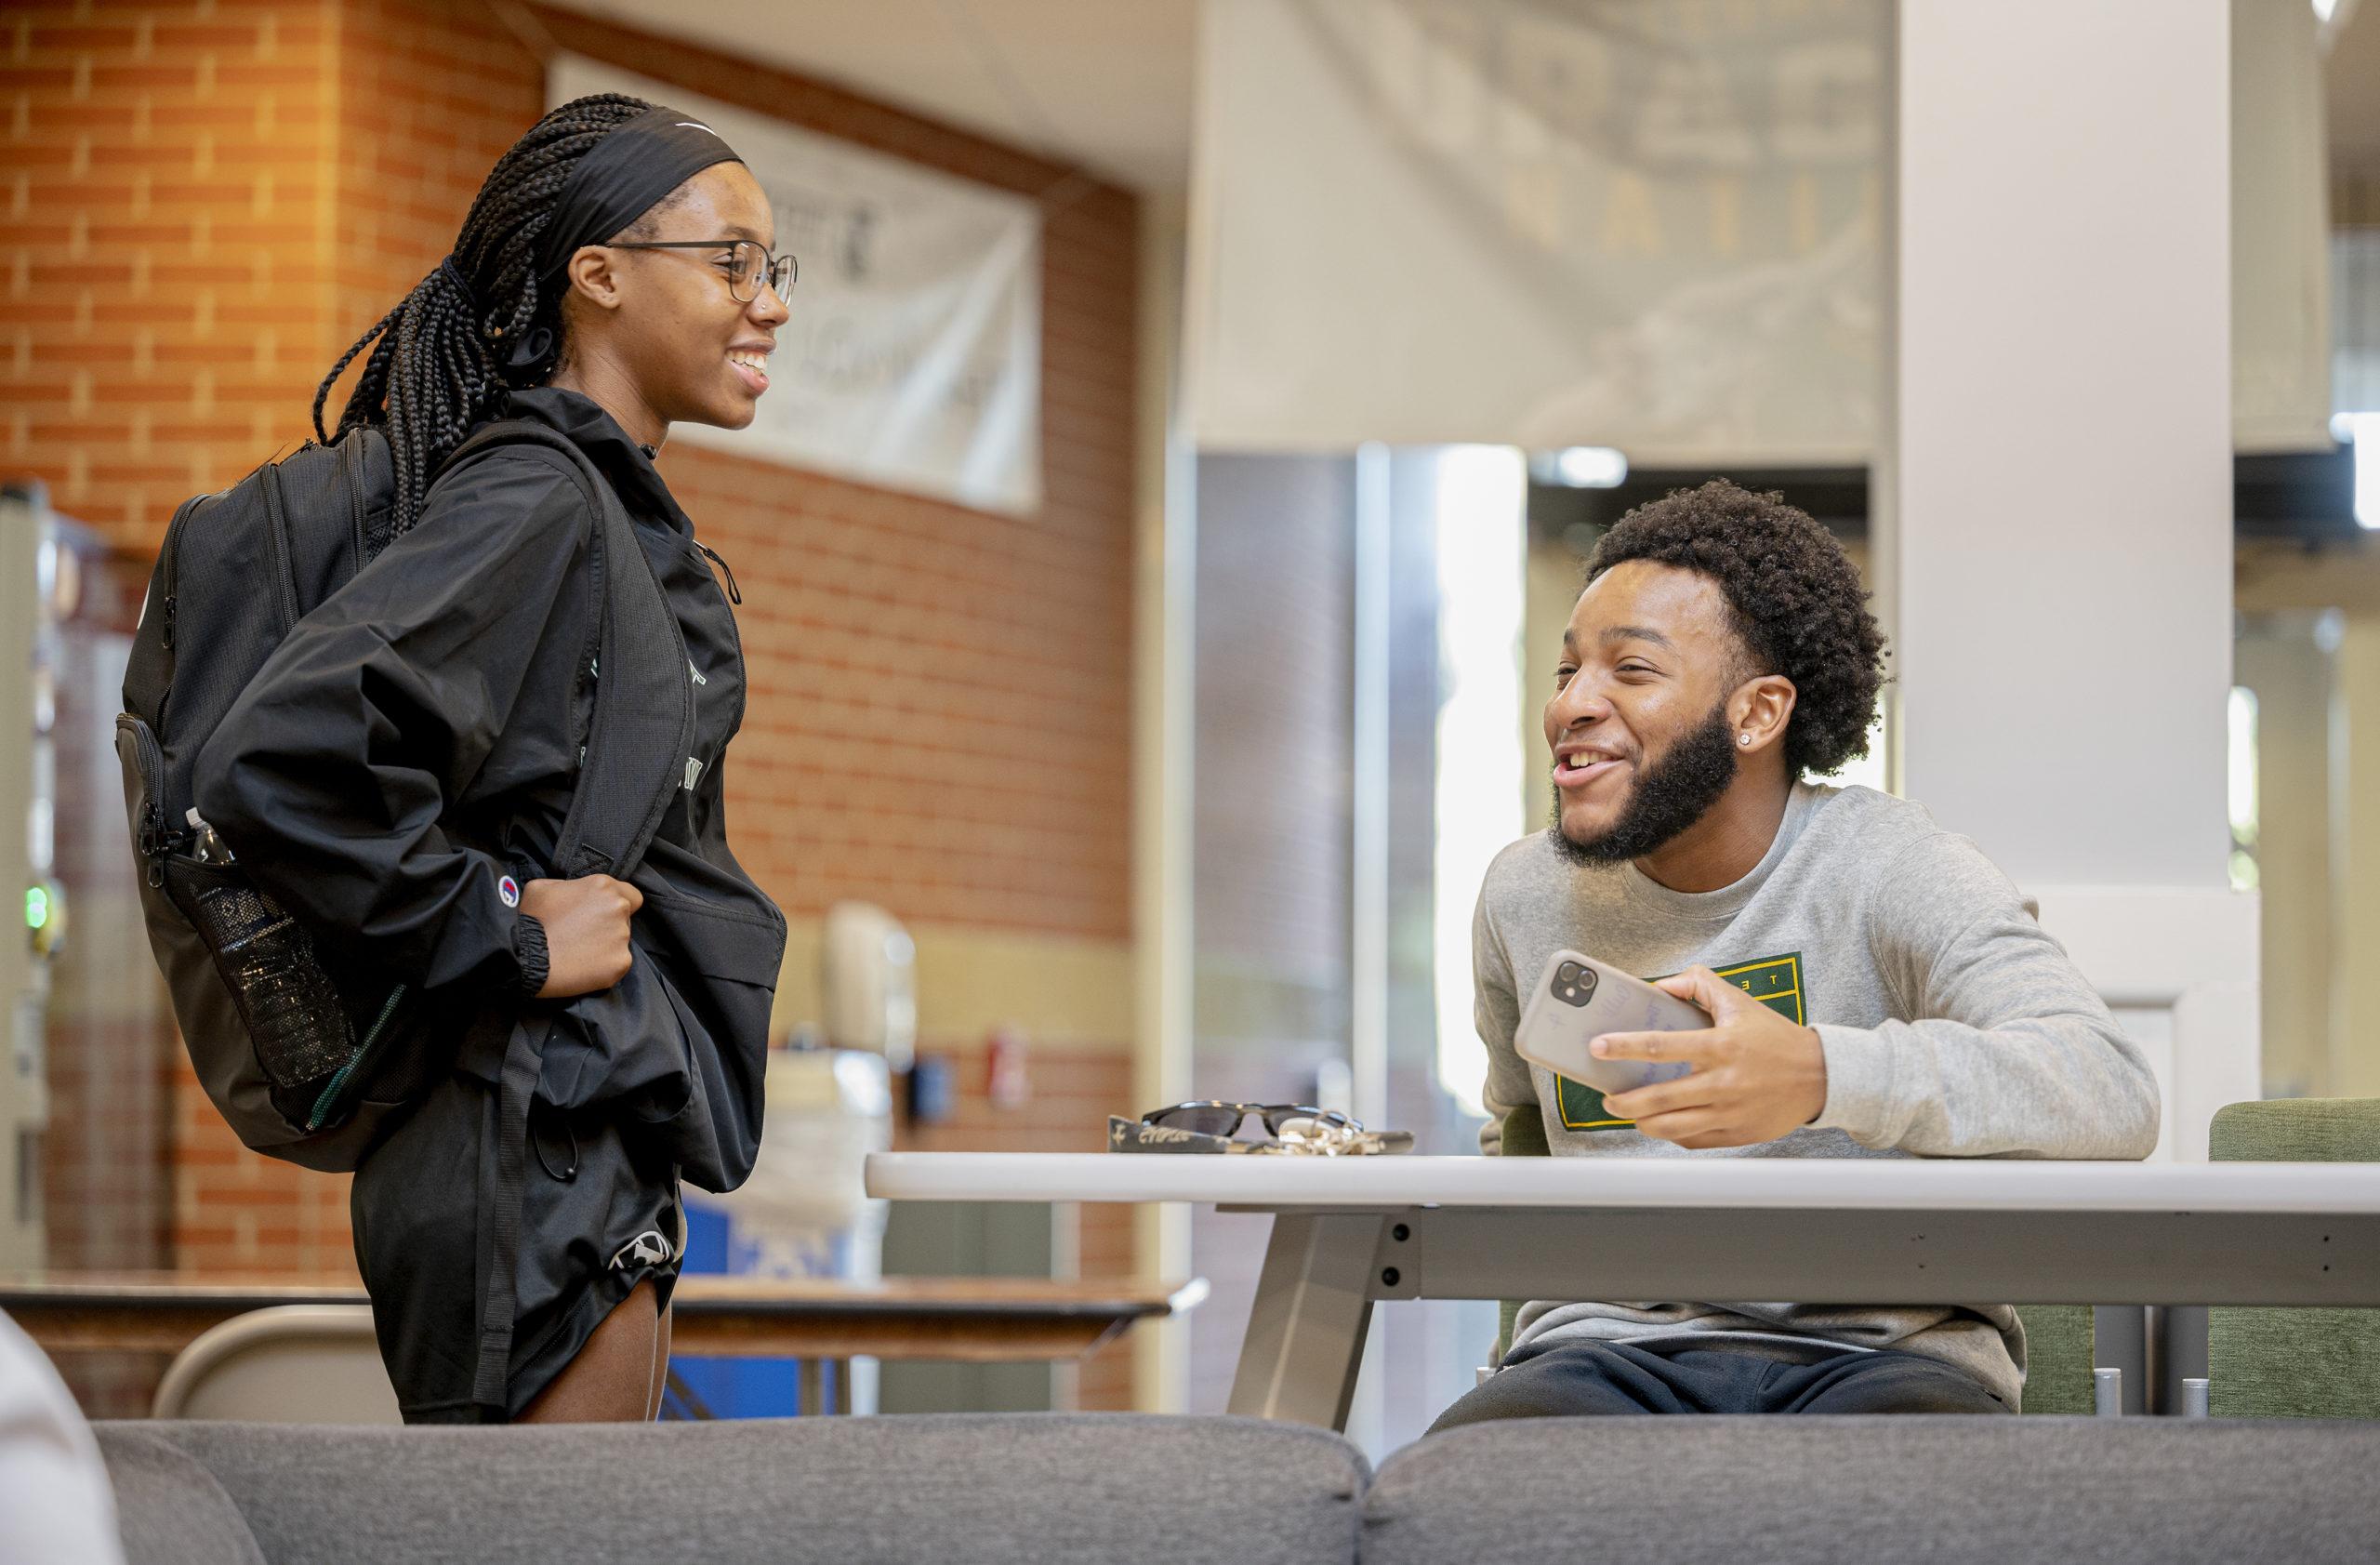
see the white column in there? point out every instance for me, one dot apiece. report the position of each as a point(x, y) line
point(2355, 827)
point(2062, 489)
point(1164, 658)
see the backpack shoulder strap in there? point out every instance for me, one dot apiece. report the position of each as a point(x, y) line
point(643, 723)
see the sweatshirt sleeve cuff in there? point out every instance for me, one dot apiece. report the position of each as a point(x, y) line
point(1858, 1082)
point(529, 951)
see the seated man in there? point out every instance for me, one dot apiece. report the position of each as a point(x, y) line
point(1876, 988)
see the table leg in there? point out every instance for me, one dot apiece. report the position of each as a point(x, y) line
point(1314, 1305)
point(2120, 1341)
point(2179, 1333)
point(809, 1387)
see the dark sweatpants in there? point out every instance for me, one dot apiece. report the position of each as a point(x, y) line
point(1573, 1379)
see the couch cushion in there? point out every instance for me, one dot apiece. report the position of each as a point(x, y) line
point(1821, 1491)
point(1032, 1488)
point(168, 1506)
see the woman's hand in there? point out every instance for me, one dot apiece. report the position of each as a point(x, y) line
point(587, 932)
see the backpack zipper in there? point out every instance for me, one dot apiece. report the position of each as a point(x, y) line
point(169, 577)
point(153, 840)
point(733, 595)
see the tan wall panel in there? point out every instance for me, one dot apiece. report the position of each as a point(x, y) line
point(1075, 994)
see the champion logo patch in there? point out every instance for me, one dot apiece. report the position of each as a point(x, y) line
point(508, 889)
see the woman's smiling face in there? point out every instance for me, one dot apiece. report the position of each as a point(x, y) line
point(667, 320)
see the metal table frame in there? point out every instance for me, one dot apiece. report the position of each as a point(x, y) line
point(1350, 1233)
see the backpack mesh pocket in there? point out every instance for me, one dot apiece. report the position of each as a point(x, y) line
point(294, 1019)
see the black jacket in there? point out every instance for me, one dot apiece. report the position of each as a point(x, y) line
point(414, 742)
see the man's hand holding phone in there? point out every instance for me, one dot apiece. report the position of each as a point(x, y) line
point(1756, 1076)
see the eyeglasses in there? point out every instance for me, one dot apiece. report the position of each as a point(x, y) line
point(1214, 1117)
point(750, 264)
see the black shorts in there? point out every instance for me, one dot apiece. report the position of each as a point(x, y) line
point(599, 1214)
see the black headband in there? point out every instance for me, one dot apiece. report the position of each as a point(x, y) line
point(623, 174)
point(615, 182)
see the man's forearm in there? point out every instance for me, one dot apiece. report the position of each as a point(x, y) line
point(2063, 1086)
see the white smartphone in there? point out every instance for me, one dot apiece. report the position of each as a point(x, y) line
point(1577, 999)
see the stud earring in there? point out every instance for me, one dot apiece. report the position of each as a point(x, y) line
point(1744, 739)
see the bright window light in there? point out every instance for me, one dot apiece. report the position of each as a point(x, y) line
point(1592, 467)
point(1870, 770)
point(2363, 429)
point(2240, 720)
point(1482, 502)
point(2323, 9)
point(2240, 715)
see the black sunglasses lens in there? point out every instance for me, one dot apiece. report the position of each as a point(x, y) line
point(1205, 1118)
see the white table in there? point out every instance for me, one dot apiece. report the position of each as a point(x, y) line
point(1348, 1232)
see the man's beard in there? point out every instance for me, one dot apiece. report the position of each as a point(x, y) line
point(1670, 796)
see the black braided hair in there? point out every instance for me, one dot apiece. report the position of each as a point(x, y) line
point(438, 362)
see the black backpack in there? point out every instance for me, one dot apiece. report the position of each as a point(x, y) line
point(290, 1036)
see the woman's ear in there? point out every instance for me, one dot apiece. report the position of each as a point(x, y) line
point(593, 277)
point(1759, 711)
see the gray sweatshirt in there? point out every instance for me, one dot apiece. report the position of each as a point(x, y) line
point(1953, 1027)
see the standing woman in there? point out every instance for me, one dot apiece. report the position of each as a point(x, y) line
point(398, 772)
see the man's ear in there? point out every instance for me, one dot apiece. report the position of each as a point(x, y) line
point(1759, 711)
point(593, 278)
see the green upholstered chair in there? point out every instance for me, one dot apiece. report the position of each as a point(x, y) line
point(2057, 1337)
point(2295, 1363)
point(2059, 1357)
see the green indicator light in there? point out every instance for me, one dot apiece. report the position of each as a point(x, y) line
point(36, 907)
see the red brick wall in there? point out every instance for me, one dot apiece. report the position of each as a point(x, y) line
point(209, 201)
point(167, 172)
point(430, 93)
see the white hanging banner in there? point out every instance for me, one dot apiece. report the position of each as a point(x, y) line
point(1650, 225)
point(913, 357)
point(2280, 230)
point(1541, 223)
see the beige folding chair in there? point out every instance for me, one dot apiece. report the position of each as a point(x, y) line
point(287, 1364)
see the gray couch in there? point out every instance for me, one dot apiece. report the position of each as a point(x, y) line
point(1054, 1489)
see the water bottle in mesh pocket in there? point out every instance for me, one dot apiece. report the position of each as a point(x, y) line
point(304, 1039)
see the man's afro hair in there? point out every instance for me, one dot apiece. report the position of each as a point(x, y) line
point(1799, 607)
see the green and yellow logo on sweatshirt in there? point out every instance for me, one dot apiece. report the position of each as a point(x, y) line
point(1776, 982)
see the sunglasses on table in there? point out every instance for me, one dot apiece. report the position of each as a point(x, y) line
point(750, 264)
point(1212, 1117)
